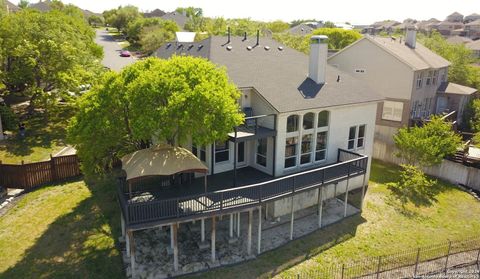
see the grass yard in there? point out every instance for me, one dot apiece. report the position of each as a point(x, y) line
point(383, 228)
point(63, 231)
point(43, 137)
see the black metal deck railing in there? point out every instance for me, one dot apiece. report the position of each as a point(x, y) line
point(163, 210)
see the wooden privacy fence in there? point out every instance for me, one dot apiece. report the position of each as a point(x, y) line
point(31, 175)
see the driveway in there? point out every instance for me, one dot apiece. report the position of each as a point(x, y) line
point(111, 51)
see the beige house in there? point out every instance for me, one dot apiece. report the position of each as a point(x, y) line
point(472, 29)
point(448, 28)
point(475, 47)
point(455, 17)
point(471, 18)
point(408, 75)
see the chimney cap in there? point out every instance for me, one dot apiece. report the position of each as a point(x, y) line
point(319, 39)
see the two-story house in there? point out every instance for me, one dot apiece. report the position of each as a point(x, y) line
point(412, 78)
point(472, 29)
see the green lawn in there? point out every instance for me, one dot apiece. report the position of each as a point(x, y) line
point(63, 231)
point(44, 136)
point(383, 228)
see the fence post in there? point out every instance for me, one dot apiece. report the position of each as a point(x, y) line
point(343, 270)
point(448, 255)
point(379, 265)
point(416, 263)
point(53, 169)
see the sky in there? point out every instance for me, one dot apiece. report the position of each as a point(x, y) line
point(353, 11)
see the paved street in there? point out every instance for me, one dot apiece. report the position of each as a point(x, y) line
point(112, 50)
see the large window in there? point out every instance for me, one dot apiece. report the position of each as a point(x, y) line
point(261, 157)
point(306, 155)
point(419, 80)
point(356, 137)
point(392, 111)
point(429, 77)
point(200, 153)
point(222, 152)
point(321, 147)
point(322, 119)
point(292, 123)
point(308, 121)
point(291, 152)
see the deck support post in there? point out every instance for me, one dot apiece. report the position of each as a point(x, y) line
point(171, 237)
point(122, 222)
point(132, 252)
point(205, 182)
point(320, 206)
point(202, 229)
point(213, 238)
point(238, 223)
point(363, 191)
point(175, 247)
point(127, 243)
point(335, 190)
point(346, 199)
point(235, 150)
point(291, 218)
point(259, 241)
point(249, 235)
point(231, 225)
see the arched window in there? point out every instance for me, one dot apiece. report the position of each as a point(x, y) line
point(323, 119)
point(308, 119)
point(292, 123)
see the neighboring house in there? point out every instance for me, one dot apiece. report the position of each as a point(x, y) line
point(459, 40)
point(455, 17)
point(155, 13)
point(42, 6)
point(471, 18)
point(10, 7)
point(412, 78)
point(179, 18)
point(448, 28)
point(472, 29)
point(382, 26)
point(427, 25)
point(475, 47)
point(302, 29)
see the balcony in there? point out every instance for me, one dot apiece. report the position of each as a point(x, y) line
point(254, 127)
point(145, 208)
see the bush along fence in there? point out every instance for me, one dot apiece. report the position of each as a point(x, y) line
point(31, 175)
point(427, 260)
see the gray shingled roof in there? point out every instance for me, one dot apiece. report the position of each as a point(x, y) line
point(11, 7)
point(301, 29)
point(280, 76)
point(43, 6)
point(179, 18)
point(453, 88)
point(459, 40)
point(419, 58)
point(475, 45)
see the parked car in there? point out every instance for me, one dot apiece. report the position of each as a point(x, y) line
point(125, 53)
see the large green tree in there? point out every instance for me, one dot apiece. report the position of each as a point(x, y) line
point(168, 100)
point(157, 28)
point(44, 55)
point(121, 17)
point(427, 145)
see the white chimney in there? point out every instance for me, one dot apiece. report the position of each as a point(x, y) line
point(411, 37)
point(318, 58)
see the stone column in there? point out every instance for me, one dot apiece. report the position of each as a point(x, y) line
point(259, 242)
point(213, 238)
point(249, 235)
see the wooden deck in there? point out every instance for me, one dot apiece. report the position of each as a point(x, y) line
point(156, 206)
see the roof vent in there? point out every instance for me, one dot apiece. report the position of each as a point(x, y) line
point(180, 46)
point(338, 78)
point(244, 36)
point(169, 45)
point(249, 47)
point(267, 48)
point(190, 47)
point(200, 47)
point(280, 48)
point(229, 48)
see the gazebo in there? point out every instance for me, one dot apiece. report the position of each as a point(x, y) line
point(161, 160)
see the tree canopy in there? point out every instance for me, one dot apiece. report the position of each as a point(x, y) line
point(165, 100)
point(427, 145)
point(43, 55)
point(151, 33)
point(121, 17)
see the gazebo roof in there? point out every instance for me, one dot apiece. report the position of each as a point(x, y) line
point(161, 160)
